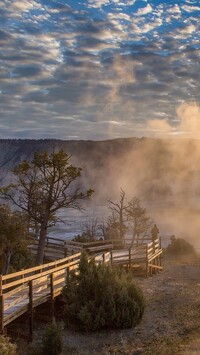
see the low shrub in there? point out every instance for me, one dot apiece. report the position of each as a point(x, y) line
point(179, 247)
point(21, 259)
point(80, 238)
point(6, 347)
point(52, 343)
point(101, 297)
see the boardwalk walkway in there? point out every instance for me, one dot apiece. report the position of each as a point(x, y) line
point(22, 291)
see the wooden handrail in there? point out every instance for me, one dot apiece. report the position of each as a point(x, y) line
point(38, 269)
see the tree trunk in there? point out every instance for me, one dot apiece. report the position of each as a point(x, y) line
point(41, 245)
point(7, 256)
point(121, 227)
point(133, 238)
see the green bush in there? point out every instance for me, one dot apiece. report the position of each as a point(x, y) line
point(80, 238)
point(6, 347)
point(101, 297)
point(21, 259)
point(179, 247)
point(52, 343)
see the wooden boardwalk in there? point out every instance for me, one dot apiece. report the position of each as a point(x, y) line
point(22, 291)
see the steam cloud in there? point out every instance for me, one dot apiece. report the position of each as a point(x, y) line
point(163, 173)
point(187, 123)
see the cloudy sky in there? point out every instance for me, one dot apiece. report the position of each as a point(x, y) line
point(99, 69)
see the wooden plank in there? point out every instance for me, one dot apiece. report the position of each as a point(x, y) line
point(60, 281)
point(159, 252)
point(16, 301)
point(99, 248)
point(97, 243)
point(40, 280)
point(39, 288)
point(73, 267)
point(60, 273)
point(8, 294)
point(2, 314)
point(156, 266)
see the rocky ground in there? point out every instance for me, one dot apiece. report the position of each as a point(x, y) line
point(171, 322)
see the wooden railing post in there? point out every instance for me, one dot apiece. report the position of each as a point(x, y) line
point(52, 294)
point(68, 274)
point(22, 276)
point(147, 260)
point(30, 283)
point(65, 249)
point(1, 306)
point(111, 256)
point(129, 257)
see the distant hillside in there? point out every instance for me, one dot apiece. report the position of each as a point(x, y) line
point(149, 168)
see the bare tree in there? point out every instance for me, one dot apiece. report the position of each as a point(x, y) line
point(140, 223)
point(90, 228)
point(119, 213)
point(111, 228)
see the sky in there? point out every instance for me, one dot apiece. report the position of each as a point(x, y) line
point(99, 69)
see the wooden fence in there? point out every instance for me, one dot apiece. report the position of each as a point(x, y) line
point(22, 291)
point(56, 248)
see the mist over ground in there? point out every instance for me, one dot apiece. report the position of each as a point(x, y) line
point(163, 173)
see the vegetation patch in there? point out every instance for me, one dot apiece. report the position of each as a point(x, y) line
point(6, 347)
point(102, 297)
point(179, 247)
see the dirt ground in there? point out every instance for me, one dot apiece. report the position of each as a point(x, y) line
point(171, 322)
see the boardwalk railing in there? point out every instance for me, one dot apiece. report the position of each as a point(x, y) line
point(121, 252)
point(59, 248)
point(153, 257)
point(22, 291)
point(56, 248)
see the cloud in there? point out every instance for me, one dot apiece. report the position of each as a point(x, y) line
point(126, 61)
point(187, 123)
point(190, 9)
point(144, 10)
point(119, 16)
point(97, 3)
point(189, 116)
point(22, 5)
point(174, 9)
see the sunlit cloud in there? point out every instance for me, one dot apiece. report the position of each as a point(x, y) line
point(187, 123)
point(97, 60)
point(145, 10)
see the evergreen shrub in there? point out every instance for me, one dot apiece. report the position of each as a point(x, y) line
point(6, 347)
point(52, 343)
point(179, 247)
point(102, 297)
